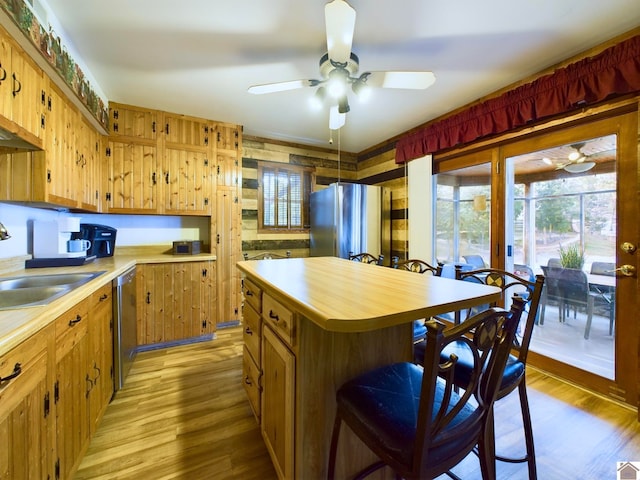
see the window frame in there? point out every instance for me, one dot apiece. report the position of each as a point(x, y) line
point(308, 186)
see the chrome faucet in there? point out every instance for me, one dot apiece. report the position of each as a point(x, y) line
point(4, 234)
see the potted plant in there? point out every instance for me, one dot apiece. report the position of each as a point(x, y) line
point(572, 256)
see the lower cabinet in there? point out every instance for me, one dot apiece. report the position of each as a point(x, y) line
point(176, 301)
point(54, 389)
point(269, 372)
point(72, 388)
point(27, 423)
point(100, 366)
point(278, 401)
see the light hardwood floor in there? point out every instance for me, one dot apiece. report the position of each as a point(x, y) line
point(184, 415)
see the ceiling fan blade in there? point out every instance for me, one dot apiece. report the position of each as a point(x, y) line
point(412, 80)
point(281, 86)
point(336, 119)
point(340, 19)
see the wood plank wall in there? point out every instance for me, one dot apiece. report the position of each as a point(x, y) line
point(260, 150)
point(376, 167)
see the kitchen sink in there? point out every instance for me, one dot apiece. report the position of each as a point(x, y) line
point(37, 290)
point(13, 283)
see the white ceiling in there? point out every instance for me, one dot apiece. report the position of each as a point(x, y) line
point(197, 57)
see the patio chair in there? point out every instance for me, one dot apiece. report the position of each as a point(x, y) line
point(476, 261)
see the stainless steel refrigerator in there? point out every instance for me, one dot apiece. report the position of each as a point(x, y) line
point(349, 217)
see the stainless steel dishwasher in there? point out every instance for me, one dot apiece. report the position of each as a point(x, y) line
point(124, 320)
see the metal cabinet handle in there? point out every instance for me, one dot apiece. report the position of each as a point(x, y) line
point(76, 320)
point(17, 370)
point(248, 331)
point(273, 316)
point(247, 380)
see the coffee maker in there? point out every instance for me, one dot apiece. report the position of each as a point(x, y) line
point(51, 238)
point(102, 238)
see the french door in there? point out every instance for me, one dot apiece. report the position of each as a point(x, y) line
point(546, 198)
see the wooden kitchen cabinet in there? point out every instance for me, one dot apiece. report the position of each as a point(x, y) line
point(90, 161)
point(27, 423)
point(252, 351)
point(176, 301)
point(133, 123)
point(278, 401)
point(71, 159)
point(187, 178)
point(227, 227)
point(72, 387)
point(100, 359)
point(132, 177)
point(20, 87)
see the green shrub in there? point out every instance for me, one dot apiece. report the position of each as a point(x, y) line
point(572, 256)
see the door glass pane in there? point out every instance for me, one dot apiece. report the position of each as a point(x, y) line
point(463, 214)
point(561, 222)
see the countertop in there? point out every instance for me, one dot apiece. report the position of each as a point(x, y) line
point(345, 296)
point(16, 325)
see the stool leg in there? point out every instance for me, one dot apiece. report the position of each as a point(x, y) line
point(528, 430)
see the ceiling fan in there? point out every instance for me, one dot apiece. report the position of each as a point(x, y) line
point(576, 161)
point(339, 68)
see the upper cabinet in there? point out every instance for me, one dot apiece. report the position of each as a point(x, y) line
point(160, 162)
point(20, 91)
point(135, 123)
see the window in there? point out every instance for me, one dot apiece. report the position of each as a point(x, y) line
point(284, 197)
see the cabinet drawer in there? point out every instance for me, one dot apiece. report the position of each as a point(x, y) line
point(252, 294)
point(21, 369)
point(101, 297)
point(70, 328)
point(251, 382)
point(280, 318)
point(252, 332)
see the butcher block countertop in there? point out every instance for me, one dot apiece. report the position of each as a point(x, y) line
point(16, 325)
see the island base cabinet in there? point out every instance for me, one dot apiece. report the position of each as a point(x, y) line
point(278, 402)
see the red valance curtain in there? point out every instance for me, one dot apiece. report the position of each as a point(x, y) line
point(614, 72)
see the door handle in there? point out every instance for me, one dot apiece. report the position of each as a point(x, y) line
point(626, 270)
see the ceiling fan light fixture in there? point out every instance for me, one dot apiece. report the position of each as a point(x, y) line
point(343, 105)
point(547, 160)
point(579, 167)
point(317, 100)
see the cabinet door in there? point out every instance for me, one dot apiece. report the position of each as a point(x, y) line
point(6, 97)
point(133, 181)
point(187, 182)
point(228, 243)
point(133, 122)
point(177, 301)
point(227, 137)
point(26, 80)
point(72, 388)
point(278, 402)
point(181, 130)
point(90, 166)
point(100, 364)
point(227, 169)
point(56, 170)
point(26, 417)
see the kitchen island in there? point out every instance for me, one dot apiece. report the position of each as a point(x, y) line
point(322, 321)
